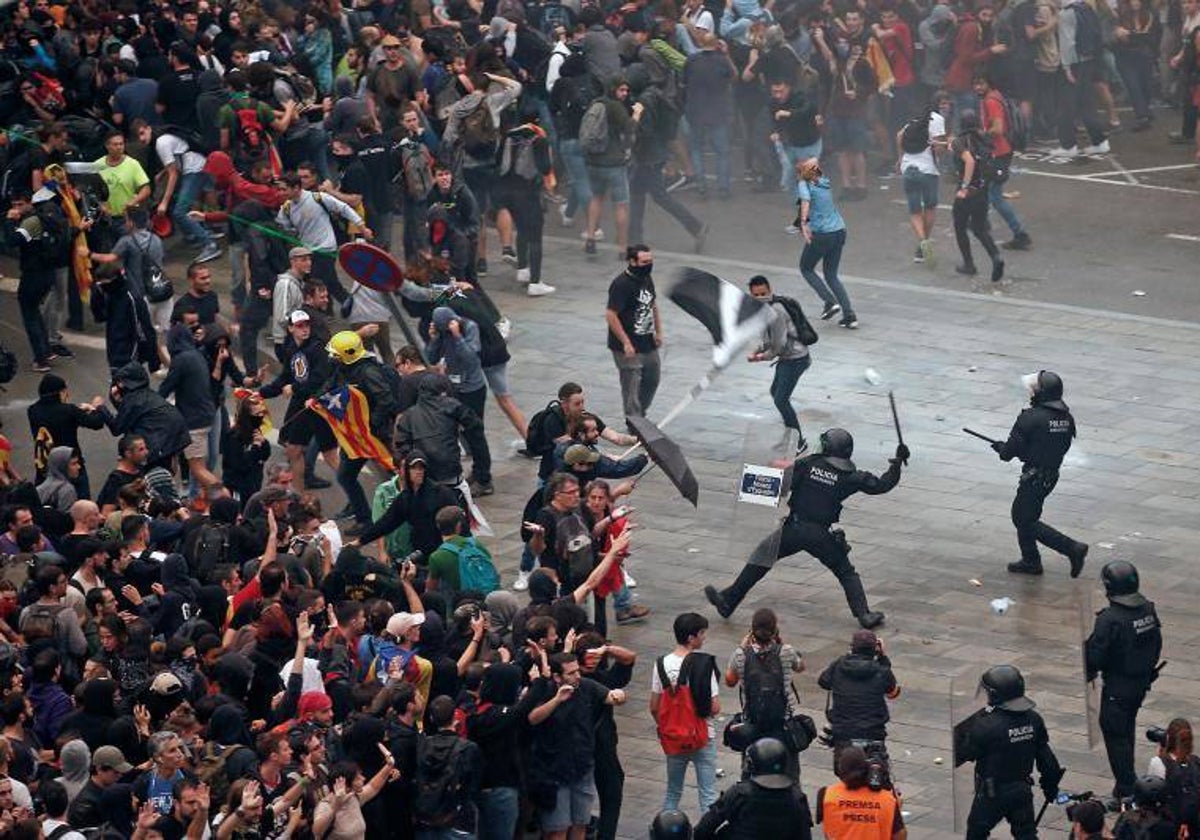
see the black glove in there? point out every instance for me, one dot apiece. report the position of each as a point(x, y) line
point(902, 453)
point(998, 446)
point(1050, 791)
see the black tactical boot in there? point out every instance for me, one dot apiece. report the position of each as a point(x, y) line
point(1030, 567)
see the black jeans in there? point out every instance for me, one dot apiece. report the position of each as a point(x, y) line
point(646, 179)
point(525, 204)
point(256, 314)
point(415, 235)
point(1034, 487)
point(1077, 102)
point(33, 288)
point(1137, 72)
point(324, 268)
point(609, 778)
point(971, 212)
point(1012, 802)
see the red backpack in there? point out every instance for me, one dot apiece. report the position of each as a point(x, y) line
point(680, 728)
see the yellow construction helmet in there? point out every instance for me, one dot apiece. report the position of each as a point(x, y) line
point(346, 347)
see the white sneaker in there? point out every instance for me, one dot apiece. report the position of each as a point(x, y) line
point(538, 289)
point(1100, 148)
point(598, 235)
point(504, 327)
point(567, 221)
point(1062, 153)
point(629, 581)
point(522, 582)
point(522, 275)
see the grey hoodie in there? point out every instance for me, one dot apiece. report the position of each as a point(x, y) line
point(779, 339)
point(937, 43)
point(57, 491)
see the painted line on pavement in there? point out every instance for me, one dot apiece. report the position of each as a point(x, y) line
point(899, 286)
point(1183, 237)
point(1102, 178)
point(1121, 169)
point(1172, 168)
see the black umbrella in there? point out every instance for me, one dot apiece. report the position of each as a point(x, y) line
point(666, 454)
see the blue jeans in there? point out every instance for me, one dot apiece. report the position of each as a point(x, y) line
point(705, 760)
point(787, 375)
point(718, 137)
point(498, 809)
point(347, 479)
point(580, 192)
point(1000, 203)
point(188, 187)
point(826, 248)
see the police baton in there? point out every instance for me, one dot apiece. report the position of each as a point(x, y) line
point(974, 433)
point(1042, 812)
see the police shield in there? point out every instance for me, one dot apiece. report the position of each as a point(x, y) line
point(1091, 690)
point(763, 482)
point(966, 702)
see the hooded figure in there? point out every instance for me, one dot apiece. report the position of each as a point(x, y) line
point(433, 426)
point(128, 328)
point(117, 806)
point(57, 491)
point(227, 728)
point(76, 767)
point(211, 99)
point(96, 714)
point(188, 379)
point(142, 411)
point(181, 598)
point(502, 606)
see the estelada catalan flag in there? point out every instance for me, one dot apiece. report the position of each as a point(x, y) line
point(348, 414)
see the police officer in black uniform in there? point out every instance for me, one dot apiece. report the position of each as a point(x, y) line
point(671, 825)
point(1040, 439)
point(768, 804)
point(1004, 740)
point(860, 684)
point(1123, 649)
point(820, 483)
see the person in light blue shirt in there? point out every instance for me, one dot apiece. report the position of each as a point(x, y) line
point(824, 232)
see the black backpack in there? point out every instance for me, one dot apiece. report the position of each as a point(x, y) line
point(8, 365)
point(914, 139)
point(1089, 36)
point(805, 333)
point(1183, 788)
point(207, 549)
point(537, 442)
point(439, 785)
point(764, 695)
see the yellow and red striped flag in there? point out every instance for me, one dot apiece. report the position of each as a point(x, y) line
point(348, 414)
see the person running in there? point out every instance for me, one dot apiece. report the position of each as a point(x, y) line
point(824, 232)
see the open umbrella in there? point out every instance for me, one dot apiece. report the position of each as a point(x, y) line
point(667, 455)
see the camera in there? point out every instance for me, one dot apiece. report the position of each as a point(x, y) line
point(879, 774)
point(415, 557)
point(1157, 735)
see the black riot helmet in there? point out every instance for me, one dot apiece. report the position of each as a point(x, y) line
point(1121, 583)
point(767, 761)
point(1047, 389)
point(838, 445)
point(671, 825)
point(1005, 689)
point(1149, 792)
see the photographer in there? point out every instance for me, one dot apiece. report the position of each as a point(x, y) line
point(1149, 819)
point(1176, 764)
point(854, 808)
point(860, 684)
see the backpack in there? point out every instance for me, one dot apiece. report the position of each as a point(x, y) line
point(60, 831)
point(764, 697)
point(250, 138)
point(680, 728)
point(194, 139)
point(18, 176)
point(208, 549)
point(155, 283)
point(914, 138)
point(1016, 123)
point(1183, 789)
point(987, 169)
point(805, 333)
point(1089, 37)
point(56, 233)
point(480, 133)
point(8, 364)
point(476, 572)
point(415, 169)
point(554, 15)
point(439, 785)
point(1140, 825)
point(303, 89)
point(593, 129)
point(518, 156)
point(211, 769)
point(537, 443)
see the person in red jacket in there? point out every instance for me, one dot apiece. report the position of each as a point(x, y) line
point(974, 46)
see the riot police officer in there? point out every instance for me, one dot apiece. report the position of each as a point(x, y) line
point(1040, 439)
point(860, 684)
point(1123, 649)
point(768, 804)
point(1004, 740)
point(1149, 817)
point(820, 483)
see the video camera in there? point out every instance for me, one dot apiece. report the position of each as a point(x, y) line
point(1157, 735)
point(415, 557)
point(879, 766)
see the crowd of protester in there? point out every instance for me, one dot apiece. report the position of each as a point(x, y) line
point(198, 648)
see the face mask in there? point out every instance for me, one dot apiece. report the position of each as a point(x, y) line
point(843, 51)
point(641, 271)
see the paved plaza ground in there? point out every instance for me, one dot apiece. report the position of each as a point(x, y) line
point(954, 355)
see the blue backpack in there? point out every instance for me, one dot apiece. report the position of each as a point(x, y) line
point(476, 573)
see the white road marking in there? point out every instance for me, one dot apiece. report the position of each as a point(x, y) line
point(1183, 237)
point(1121, 169)
point(1173, 167)
point(1100, 178)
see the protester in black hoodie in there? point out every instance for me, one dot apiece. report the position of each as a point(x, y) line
point(495, 727)
point(55, 421)
point(143, 412)
point(128, 328)
point(189, 380)
point(96, 713)
point(417, 505)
